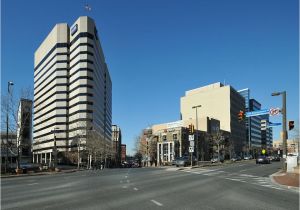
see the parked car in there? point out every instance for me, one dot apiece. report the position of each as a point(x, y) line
point(263, 160)
point(248, 157)
point(276, 158)
point(182, 161)
point(214, 160)
point(236, 158)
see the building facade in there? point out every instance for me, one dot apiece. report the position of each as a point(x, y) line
point(72, 90)
point(123, 152)
point(117, 141)
point(219, 102)
point(24, 129)
point(255, 126)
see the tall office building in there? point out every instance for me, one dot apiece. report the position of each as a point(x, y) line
point(255, 126)
point(72, 90)
point(255, 137)
point(219, 102)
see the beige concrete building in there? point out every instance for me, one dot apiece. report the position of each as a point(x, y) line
point(173, 139)
point(72, 90)
point(221, 102)
point(292, 146)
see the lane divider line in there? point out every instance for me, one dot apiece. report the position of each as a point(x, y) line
point(156, 202)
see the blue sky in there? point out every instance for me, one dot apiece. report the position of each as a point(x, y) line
point(156, 50)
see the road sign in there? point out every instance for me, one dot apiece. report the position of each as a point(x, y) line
point(274, 124)
point(263, 124)
point(191, 137)
point(257, 113)
point(192, 143)
point(191, 149)
point(263, 151)
point(274, 111)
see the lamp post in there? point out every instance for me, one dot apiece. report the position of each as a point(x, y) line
point(284, 131)
point(197, 140)
point(7, 119)
point(78, 154)
point(55, 149)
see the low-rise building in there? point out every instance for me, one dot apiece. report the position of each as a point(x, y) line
point(292, 146)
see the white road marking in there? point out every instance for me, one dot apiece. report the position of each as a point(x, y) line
point(136, 189)
point(124, 187)
point(126, 177)
point(157, 203)
point(239, 180)
point(33, 184)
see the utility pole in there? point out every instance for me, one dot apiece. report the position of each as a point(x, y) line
point(197, 139)
point(7, 119)
point(284, 131)
point(78, 154)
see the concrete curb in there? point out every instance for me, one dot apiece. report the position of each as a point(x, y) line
point(296, 189)
point(40, 174)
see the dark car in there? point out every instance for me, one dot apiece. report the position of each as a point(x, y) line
point(263, 160)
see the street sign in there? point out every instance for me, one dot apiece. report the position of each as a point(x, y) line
point(263, 124)
point(274, 111)
point(191, 149)
point(191, 137)
point(274, 124)
point(257, 113)
point(192, 143)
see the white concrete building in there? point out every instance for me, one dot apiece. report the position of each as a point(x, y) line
point(72, 89)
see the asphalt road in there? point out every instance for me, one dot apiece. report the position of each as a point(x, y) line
point(243, 185)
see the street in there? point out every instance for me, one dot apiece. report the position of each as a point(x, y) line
point(242, 185)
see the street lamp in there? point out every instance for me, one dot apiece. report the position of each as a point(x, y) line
point(284, 131)
point(55, 148)
point(7, 119)
point(197, 141)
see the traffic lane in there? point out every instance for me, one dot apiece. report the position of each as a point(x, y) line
point(193, 191)
point(250, 167)
point(57, 192)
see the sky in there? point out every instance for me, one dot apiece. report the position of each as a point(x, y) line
point(156, 50)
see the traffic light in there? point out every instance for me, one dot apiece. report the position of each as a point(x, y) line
point(241, 115)
point(191, 129)
point(291, 125)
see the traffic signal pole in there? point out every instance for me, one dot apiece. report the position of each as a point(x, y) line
point(284, 131)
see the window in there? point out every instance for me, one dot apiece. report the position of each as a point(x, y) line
point(164, 137)
point(175, 136)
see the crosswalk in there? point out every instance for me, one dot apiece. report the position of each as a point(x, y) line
point(236, 177)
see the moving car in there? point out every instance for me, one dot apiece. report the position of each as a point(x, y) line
point(263, 160)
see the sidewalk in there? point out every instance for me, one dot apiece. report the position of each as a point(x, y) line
point(289, 180)
point(40, 173)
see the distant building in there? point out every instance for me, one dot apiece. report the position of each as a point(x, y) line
point(256, 138)
point(292, 146)
point(173, 139)
point(24, 129)
point(219, 102)
point(117, 141)
point(123, 152)
point(267, 135)
point(8, 150)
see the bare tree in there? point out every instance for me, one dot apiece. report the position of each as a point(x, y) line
point(17, 124)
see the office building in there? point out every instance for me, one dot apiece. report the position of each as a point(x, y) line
point(221, 102)
point(117, 141)
point(267, 135)
point(24, 129)
point(72, 91)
